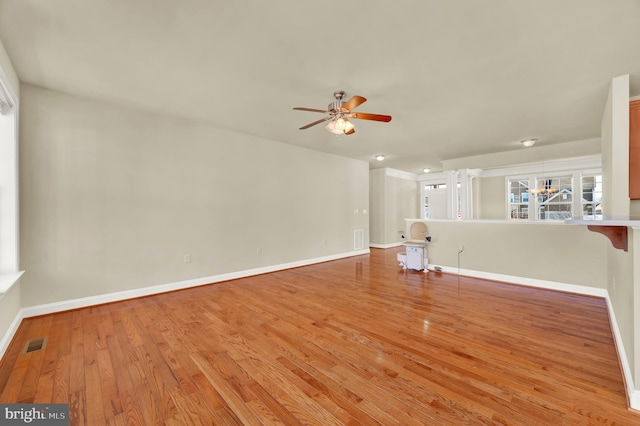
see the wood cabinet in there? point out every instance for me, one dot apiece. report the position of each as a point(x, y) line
point(634, 150)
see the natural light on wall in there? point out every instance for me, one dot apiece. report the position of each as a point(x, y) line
point(8, 182)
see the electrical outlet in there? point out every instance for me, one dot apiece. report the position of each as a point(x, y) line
point(187, 258)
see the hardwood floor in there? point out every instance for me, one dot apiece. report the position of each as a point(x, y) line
point(353, 341)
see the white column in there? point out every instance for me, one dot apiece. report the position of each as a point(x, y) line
point(576, 203)
point(615, 149)
point(466, 191)
point(452, 194)
point(465, 194)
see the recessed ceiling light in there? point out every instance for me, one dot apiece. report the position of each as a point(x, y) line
point(426, 170)
point(379, 157)
point(528, 142)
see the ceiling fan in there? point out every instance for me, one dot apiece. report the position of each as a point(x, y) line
point(340, 113)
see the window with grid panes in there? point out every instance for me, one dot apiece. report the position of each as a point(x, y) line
point(519, 198)
point(592, 195)
point(554, 197)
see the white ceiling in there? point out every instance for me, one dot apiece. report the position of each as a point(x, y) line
point(459, 77)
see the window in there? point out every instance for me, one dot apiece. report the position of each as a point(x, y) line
point(554, 196)
point(551, 197)
point(592, 195)
point(519, 199)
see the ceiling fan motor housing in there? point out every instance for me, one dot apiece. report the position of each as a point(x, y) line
point(335, 106)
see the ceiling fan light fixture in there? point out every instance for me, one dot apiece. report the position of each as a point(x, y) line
point(348, 126)
point(340, 126)
point(529, 142)
point(331, 127)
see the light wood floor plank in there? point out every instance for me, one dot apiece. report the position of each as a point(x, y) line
point(352, 341)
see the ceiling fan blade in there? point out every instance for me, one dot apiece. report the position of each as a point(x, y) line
point(316, 122)
point(311, 110)
point(353, 102)
point(367, 116)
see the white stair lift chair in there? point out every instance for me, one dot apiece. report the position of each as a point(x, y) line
point(415, 256)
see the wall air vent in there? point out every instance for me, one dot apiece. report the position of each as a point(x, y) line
point(358, 239)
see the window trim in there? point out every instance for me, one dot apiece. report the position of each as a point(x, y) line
point(9, 219)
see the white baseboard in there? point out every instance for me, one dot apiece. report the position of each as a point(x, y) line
point(530, 282)
point(634, 399)
point(632, 393)
point(11, 331)
point(180, 285)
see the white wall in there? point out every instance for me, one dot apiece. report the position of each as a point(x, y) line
point(401, 203)
point(112, 199)
point(392, 199)
point(492, 198)
point(545, 251)
point(377, 210)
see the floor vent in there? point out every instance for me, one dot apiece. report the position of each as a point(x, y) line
point(35, 345)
